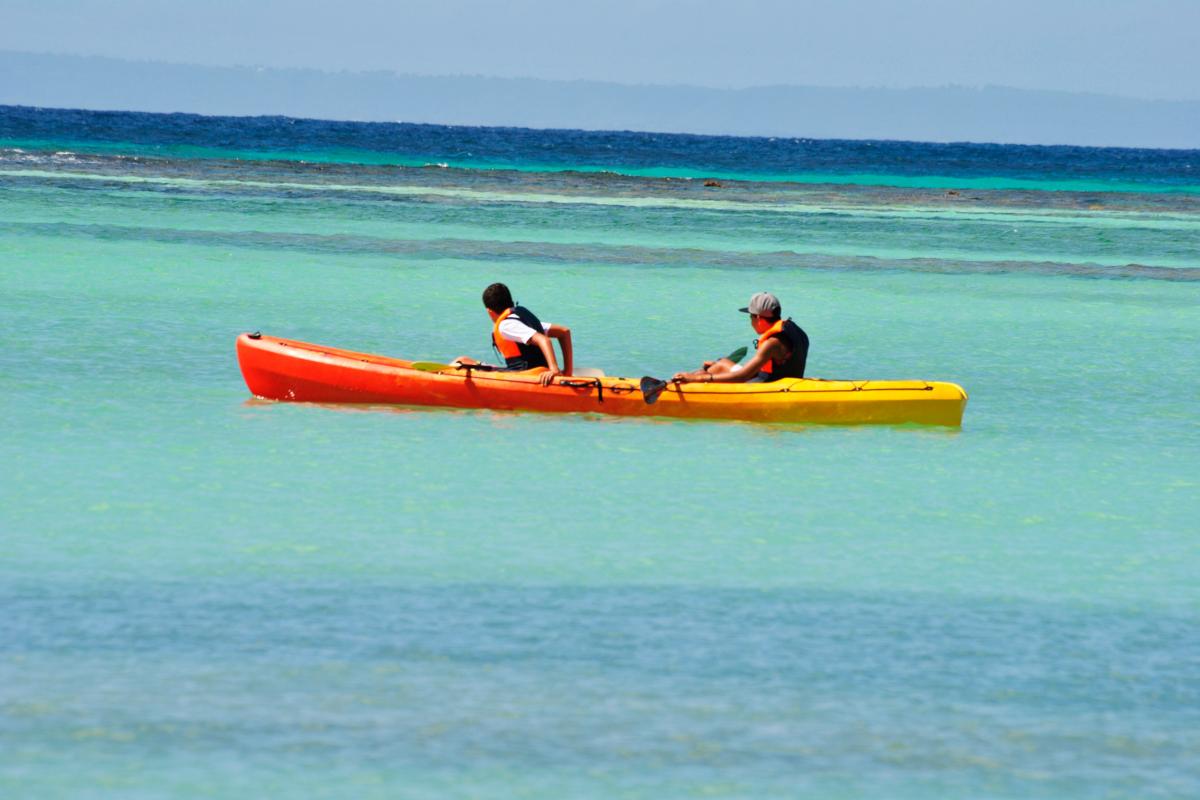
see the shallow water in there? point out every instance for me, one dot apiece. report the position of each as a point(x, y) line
point(210, 595)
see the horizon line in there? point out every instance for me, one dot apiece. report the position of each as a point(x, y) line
point(601, 82)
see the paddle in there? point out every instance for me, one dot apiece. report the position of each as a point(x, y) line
point(433, 366)
point(653, 387)
point(738, 355)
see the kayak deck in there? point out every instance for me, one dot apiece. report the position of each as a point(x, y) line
point(288, 370)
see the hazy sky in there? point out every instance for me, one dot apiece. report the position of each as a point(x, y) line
point(1147, 49)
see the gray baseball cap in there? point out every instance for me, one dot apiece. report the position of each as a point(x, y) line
point(763, 304)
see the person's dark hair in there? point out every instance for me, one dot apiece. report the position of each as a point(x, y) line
point(497, 298)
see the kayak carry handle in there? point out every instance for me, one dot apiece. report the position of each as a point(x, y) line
point(575, 383)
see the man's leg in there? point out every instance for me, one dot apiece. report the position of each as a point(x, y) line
point(719, 366)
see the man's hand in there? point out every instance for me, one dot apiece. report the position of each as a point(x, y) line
point(548, 376)
point(682, 377)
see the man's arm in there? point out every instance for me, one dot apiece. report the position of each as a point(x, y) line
point(563, 334)
point(772, 348)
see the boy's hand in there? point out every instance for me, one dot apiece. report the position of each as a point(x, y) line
point(548, 376)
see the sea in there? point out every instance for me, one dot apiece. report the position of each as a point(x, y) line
point(204, 594)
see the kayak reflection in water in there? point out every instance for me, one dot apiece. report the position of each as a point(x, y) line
point(781, 349)
point(521, 339)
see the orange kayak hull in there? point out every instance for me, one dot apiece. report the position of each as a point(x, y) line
point(289, 370)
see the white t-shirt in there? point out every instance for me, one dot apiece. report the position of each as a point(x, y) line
point(516, 331)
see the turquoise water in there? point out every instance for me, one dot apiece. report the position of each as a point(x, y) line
point(208, 595)
point(326, 155)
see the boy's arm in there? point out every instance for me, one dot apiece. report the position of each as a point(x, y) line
point(563, 334)
point(543, 344)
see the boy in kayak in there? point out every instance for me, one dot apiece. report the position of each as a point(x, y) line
point(522, 339)
point(781, 350)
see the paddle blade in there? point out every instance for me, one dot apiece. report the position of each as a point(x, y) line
point(651, 389)
point(738, 355)
point(433, 366)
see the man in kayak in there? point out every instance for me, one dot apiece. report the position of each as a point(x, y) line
point(522, 339)
point(781, 350)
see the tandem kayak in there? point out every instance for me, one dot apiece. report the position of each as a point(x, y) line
point(284, 369)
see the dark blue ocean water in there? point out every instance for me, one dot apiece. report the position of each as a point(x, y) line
point(619, 151)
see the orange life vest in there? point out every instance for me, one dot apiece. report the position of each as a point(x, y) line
point(515, 354)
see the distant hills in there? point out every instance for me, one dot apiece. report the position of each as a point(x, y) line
point(989, 114)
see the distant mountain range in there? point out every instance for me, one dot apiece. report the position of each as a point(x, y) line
point(989, 114)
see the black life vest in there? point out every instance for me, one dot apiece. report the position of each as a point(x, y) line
point(519, 356)
point(797, 342)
